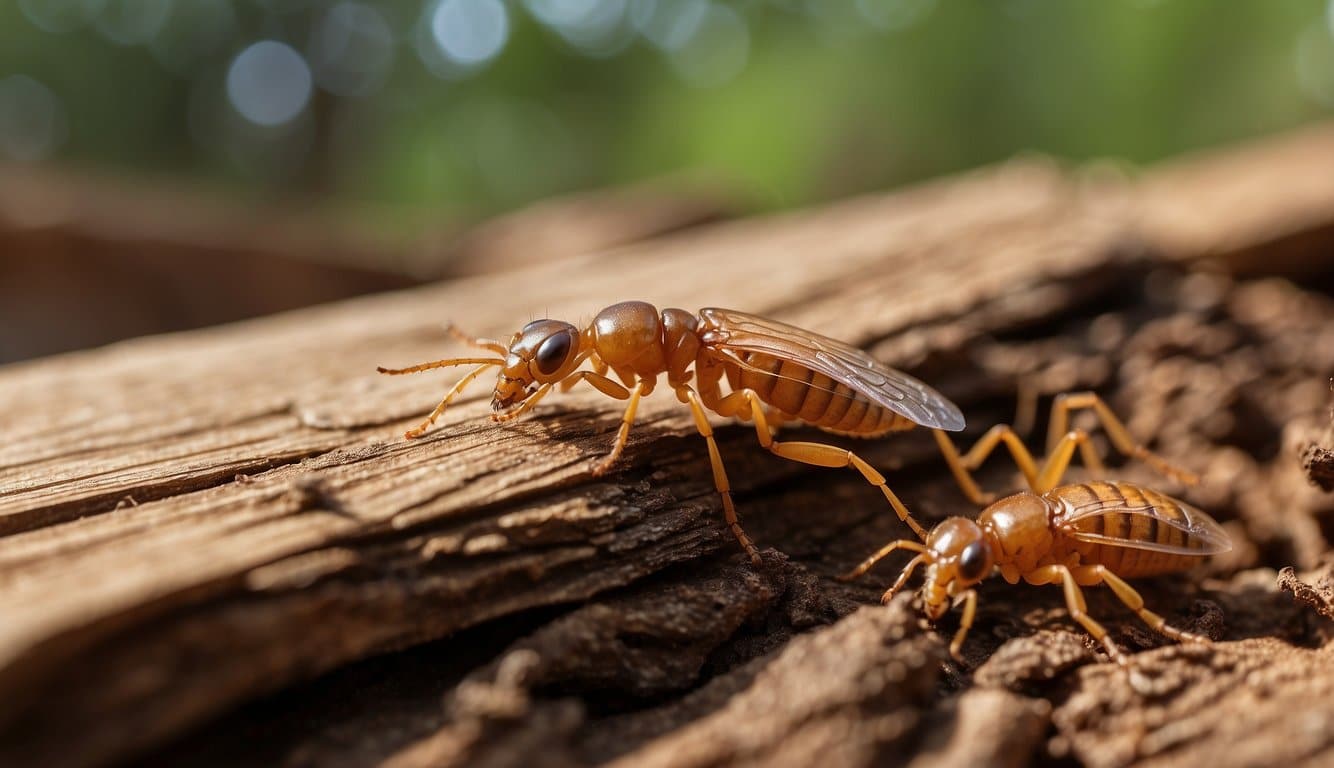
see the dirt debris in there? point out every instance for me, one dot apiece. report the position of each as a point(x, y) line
point(1253, 702)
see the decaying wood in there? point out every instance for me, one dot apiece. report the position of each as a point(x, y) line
point(191, 521)
point(1316, 444)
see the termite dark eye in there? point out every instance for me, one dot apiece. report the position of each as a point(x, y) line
point(552, 353)
point(973, 561)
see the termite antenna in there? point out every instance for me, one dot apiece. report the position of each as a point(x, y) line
point(447, 363)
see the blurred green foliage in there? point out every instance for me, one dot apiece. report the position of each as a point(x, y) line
point(832, 97)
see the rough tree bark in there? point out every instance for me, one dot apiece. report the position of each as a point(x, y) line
point(188, 523)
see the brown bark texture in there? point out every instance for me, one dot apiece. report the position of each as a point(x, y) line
point(217, 549)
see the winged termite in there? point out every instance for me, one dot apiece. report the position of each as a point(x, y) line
point(775, 372)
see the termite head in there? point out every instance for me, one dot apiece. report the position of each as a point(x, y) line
point(961, 555)
point(542, 352)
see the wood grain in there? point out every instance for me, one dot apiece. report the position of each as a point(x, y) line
point(190, 521)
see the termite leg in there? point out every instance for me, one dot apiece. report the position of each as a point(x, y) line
point(1092, 574)
point(903, 578)
point(1074, 603)
point(599, 382)
point(819, 454)
point(609, 387)
point(1025, 405)
point(776, 420)
point(1039, 480)
point(568, 383)
point(523, 408)
point(965, 624)
point(421, 428)
point(867, 564)
point(720, 482)
point(1058, 461)
point(491, 345)
point(1116, 431)
point(960, 466)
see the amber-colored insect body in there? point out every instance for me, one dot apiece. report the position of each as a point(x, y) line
point(1075, 535)
point(775, 372)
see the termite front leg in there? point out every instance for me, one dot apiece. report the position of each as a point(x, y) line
point(965, 624)
point(720, 482)
point(608, 387)
point(884, 552)
point(818, 454)
point(458, 388)
point(1116, 431)
point(524, 407)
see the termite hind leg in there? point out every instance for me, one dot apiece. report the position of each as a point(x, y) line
point(965, 624)
point(1058, 461)
point(1075, 604)
point(962, 466)
point(883, 552)
point(818, 454)
point(822, 455)
point(1116, 431)
point(962, 476)
point(1039, 480)
point(491, 345)
point(1093, 574)
point(720, 482)
point(454, 392)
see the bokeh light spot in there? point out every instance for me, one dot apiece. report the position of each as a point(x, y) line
point(597, 28)
point(351, 49)
point(132, 22)
point(668, 24)
point(269, 83)
point(894, 14)
point(470, 32)
point(1314, 61)
point(562, 13)
point(717, 52)
point(195, 30)
point(32, 120)
point(59, 15)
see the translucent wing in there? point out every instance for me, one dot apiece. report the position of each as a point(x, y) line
point(1131, 508)
point(895, 390)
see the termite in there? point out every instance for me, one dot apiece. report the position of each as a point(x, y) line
point(776, 372)
point(1076, 535)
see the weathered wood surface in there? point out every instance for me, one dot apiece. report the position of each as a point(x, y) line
point(188, 522)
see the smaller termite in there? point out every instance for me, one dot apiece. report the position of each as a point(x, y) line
point(1076, 535)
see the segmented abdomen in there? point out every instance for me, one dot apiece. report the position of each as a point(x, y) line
point(800, 393)
point(1098, 509)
